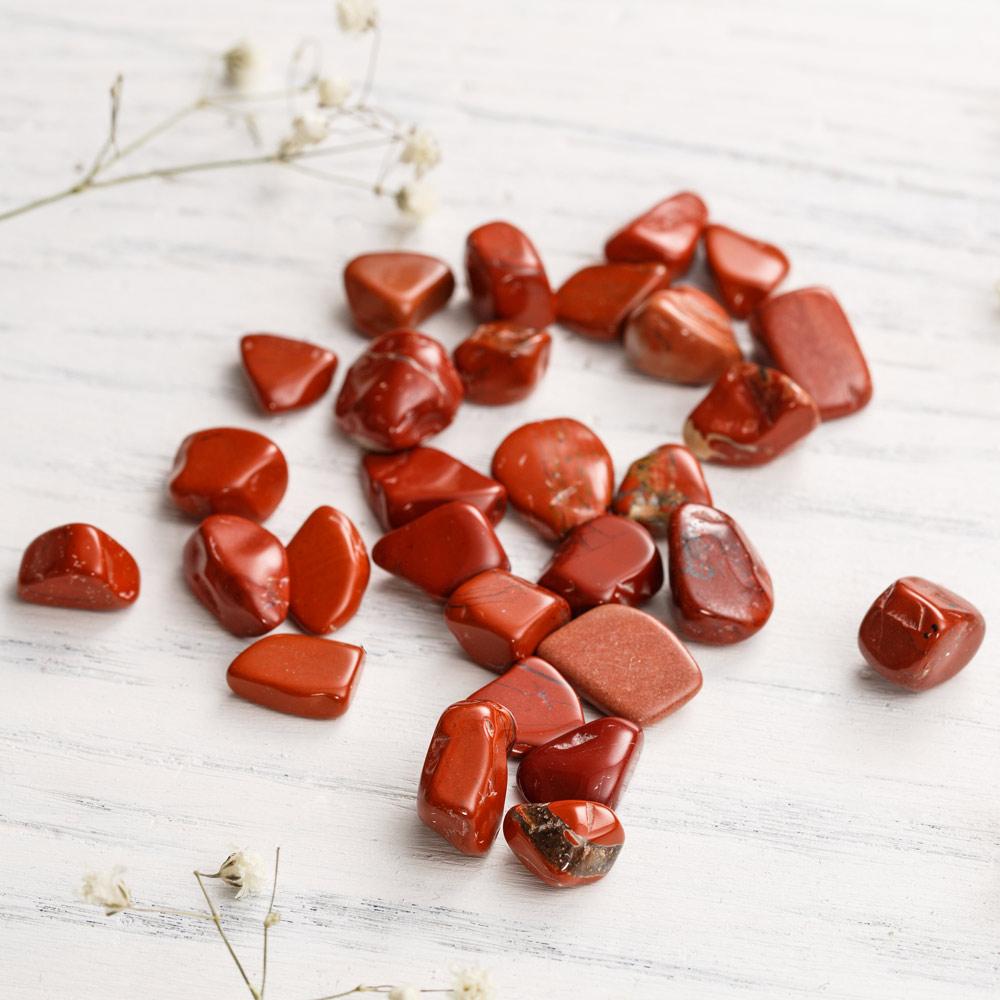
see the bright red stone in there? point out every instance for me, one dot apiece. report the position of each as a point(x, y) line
point(298, 674)
point(656, 484)
point(598, 300)
point(667, 233)
point(608, 560)
point(402, 390)
point(386, 291)
point(498, 618)
point(78, 566)
point(558, 474)
point(564, 843)
point(721, 588)
point(286, 374)
point(228, 470)
point(403, 486)
point(624, 662)
point(502, 362)
point(745, 270)
point(507, 279)
point(750, 416)
point(810, 339)
point(463, 783)
point(239, 571)
point(543, 704)
point(594, 761)
point(918, 634)
point(681, 335)
point(441, 549)
point(329, 569)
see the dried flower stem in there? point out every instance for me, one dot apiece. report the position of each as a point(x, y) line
point(268, 921)
point(218, 926)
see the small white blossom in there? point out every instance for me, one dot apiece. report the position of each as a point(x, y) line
point(422, 150)
point(242, 64)
point(333, 91)
point(416, 200)
point(273, 917)
point(244, 871)
point(472, 984)
point(307, 130)
point(356, 16)
point(404, 993)
point(106, 889)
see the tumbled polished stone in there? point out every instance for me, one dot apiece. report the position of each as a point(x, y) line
point(656, 484)
point(386, 291)
point(918, 634)
point(298, 674)
point(750, 416)
point(564, 843)
point(400, 391)
point(721, 588)
point(594, 761)
point(329, 569)
point(507, 279)
point(502, 362)
point(403, 486)
point(498, 618)
point(667, 233)
point(598, 300)
point(810, 339)
point(558, 474)
point(228, 470)
point(624, 662)
point(746, 270)
point(286, 374)
point(441, 549)
point(607, 560)
point(463, 783)
point(78, 566)
point(543, 704)
point(681, 335)
point(239, 571)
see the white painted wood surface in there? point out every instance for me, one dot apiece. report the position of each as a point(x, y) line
point(800, 829)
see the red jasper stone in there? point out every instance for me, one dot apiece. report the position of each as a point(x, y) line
point(564, 843)
point(810, 339)
point(543, 704)
point(594, 761)
point(402, 390)
point(298, 674)
point(286, 374)
point(386, 291)
point(228, 470)
point(78, 566)
point(681, 335)
point(498, 618)
point(507, 279)
point(745, 270)
point(624, 662)
point(918, 634)
point(608, 560)
point(442, 548)
point(464, 779)
point(750, 416)
point(329, 570)
point(656, 484)
point(404, 486)
point(597, 301)
point(239, 571)
point(502, 362)
point(558, 474)
point(667, 233)
point(721, 588)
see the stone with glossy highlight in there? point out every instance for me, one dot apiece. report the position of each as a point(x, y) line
point(597, 301)
point(746, 270)
point(285, 374)
point(658, 483)
point(502, 363)
point(667, 233)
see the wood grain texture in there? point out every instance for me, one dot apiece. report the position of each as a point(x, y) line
point(800, 829)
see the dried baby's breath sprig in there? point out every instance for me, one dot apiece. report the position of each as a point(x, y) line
point(243, 871)
point(242, 66)
point(422, 150)
point(357, 16)
point(108, 890)
point(333, 91)
point(472, 983)
point(416, 200)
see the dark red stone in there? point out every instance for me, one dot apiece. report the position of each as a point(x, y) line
point(918, 634)
point(746, 270)
point(598, 300)
point(502, 362)
point(656, 484)
point(78, 566)
point(558, 474)
point(228, 470)
point(402, 390)
point(463, 783)
point(608, 560)
point(239, 571)
point(441, 549)
point(498, 618)
point(286, 374)
point(668, 233)
point(403, 486)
